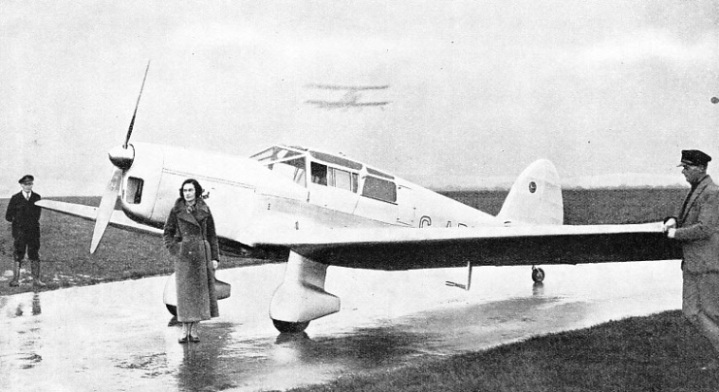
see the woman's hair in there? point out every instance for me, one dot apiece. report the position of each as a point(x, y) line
point(198, 188)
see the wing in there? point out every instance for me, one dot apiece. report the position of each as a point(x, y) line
point(402, 248)
point(405, 248)
point(118, 218)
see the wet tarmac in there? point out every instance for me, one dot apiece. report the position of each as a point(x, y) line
point(115, 336)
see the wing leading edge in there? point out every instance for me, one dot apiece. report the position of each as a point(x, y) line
point(402, 249)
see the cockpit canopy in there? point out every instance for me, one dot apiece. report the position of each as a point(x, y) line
point(328, 170)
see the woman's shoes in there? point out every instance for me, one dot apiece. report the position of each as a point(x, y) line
point(192, 338)
point(188, 333)
point(185, 333)
point(193, 332)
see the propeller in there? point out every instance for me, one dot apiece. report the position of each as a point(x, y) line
point(122, 158)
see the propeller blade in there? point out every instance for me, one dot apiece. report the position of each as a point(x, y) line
point(107, 205)
point(132, 122)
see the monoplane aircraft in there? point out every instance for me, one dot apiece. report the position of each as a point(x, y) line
point(349, 99)
point(327, 209)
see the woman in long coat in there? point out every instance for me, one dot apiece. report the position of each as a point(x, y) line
point(191, 239)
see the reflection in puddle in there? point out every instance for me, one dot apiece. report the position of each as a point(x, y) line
point(202, 366)
point(364, 348)
point(16, 305)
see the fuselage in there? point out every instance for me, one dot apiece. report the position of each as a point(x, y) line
point(284, 188)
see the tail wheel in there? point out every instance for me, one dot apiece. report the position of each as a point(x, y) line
point(537, 275)
point(289, 327)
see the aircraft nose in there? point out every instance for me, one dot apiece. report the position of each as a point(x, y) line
point(122, 157)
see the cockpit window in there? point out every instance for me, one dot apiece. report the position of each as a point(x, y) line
point(287, 161)
point(343, 179)
point(334, 177)
point(293, 169)
point(335, 160)
point(276, 153)
point(377, 188)
point(291, 162)
point(319, 173)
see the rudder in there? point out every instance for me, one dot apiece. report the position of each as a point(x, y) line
point(535, 197)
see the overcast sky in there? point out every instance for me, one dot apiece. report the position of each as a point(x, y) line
point(477, 89)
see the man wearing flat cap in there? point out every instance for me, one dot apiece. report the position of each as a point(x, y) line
point(696, 227)
point(25, 218)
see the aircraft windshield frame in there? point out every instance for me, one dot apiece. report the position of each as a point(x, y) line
point(277, 154)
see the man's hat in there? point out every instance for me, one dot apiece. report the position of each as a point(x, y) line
point(694, 158)
point(26, 178)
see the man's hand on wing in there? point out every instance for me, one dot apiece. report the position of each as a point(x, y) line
point(670, 223)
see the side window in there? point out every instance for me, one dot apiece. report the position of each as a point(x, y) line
point(377, 188)
point(133, 193)
point(342, 179)
point(319, 173)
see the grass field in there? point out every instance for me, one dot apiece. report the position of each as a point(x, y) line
point(656, 353)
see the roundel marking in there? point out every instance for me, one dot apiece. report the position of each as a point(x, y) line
point(532, 187)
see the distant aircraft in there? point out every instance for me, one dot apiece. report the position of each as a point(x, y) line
point(350, 98)
point(330, 210)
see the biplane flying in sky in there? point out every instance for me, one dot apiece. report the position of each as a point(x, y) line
point(348, 100)
point(326, 209)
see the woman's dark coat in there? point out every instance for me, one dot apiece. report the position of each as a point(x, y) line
point(192, 242)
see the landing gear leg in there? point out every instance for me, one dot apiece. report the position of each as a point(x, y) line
point(537, 274)
point(301, 297)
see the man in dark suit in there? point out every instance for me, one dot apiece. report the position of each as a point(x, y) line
point(696, 227)
point(25, 218)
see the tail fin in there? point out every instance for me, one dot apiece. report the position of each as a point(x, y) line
point(535, 197)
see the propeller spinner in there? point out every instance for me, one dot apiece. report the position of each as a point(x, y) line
point(122, 158)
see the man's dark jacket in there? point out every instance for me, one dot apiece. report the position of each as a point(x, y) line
point(698, 228)
point(24, 214)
